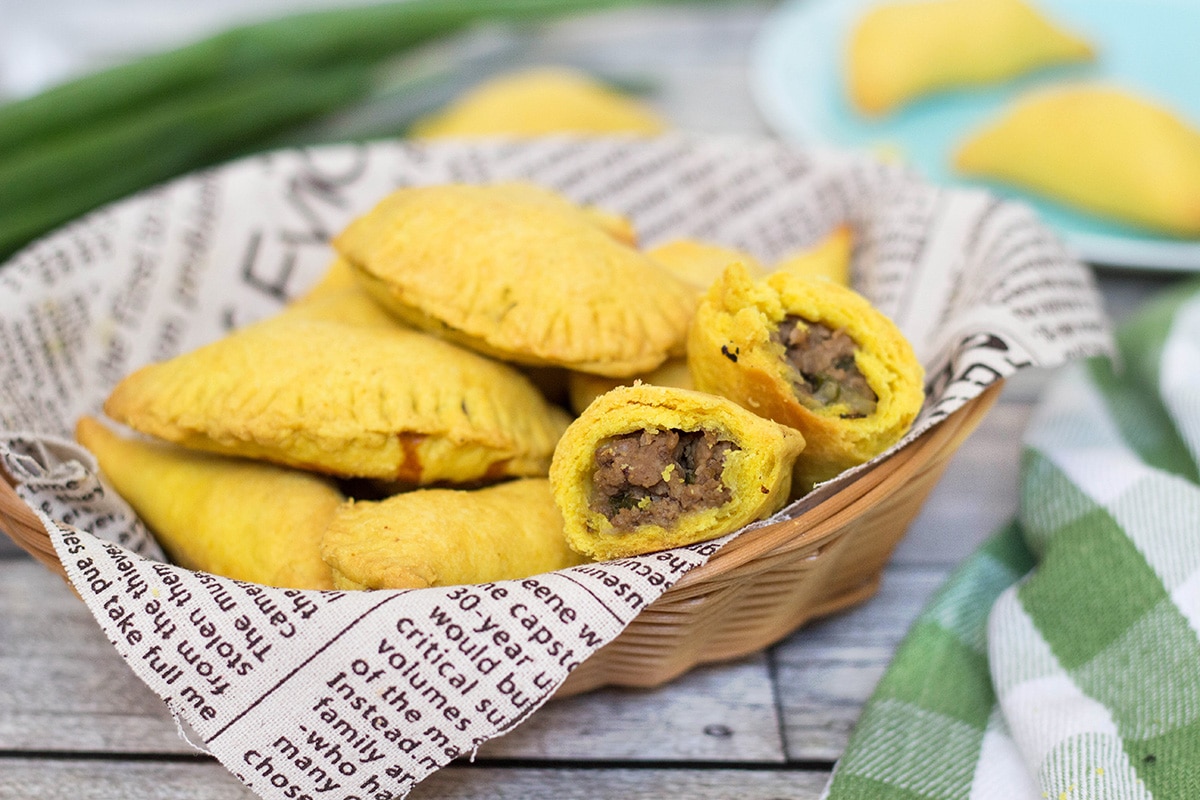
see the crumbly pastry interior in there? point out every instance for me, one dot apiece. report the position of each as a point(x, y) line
point(810, 354)
point(647, 468)
point(653, 477)
point(826, 372)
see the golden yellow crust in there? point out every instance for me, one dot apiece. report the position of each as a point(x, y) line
point(444, 537)
point(731, 353)
point(240, 519)
point(758, 473)
point(1099, 148)
point(699, 263)
point(583, 388)
point(695, 263)
point(338, 276)
point(351, 305)
point(349, 400)
point(829, 258)
point(904, 50)
point(540, 101)
point(518, 272)
point(616, 225)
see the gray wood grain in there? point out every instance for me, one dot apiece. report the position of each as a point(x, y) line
point(825, 672)
point(627, 784)
point(35, 779)
point(70, 692)
point(54, 779)
point(62, 685)
point(976, 494)
point(721, 713)
point(8, 549)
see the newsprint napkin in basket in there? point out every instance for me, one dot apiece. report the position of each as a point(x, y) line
point(1063, 659)
point(362, 694)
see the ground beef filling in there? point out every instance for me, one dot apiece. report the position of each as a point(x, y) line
point(655, 477)
point(824, 362)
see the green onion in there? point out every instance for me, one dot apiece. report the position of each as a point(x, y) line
point(178, 132)
point(102, 136)
point(75, 173)
point(304, 41)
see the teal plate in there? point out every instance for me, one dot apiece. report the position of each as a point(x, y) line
point(1151, 47)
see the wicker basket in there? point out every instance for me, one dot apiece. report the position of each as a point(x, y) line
point(754, 591)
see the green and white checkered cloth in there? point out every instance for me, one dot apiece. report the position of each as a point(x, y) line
point(1062, 660)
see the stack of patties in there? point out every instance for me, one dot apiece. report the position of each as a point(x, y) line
point(340, 393)
point(391, 429)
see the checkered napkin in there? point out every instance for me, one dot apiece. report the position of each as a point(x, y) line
point(1062, 660)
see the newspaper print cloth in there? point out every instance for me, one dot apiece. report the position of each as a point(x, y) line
point(1062, 660)
point(309, 694)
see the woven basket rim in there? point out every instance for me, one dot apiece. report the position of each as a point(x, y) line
point(810, 529)
point(818, 524)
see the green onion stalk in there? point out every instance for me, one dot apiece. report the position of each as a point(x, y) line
point(103, 136)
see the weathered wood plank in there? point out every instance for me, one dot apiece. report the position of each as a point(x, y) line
point(38, 778)
point(72, 693)
point(53, 779)
point(721, 713)
point(8, 549)
point(977, 493)
point(825, 672)
point(70, 690)
point(81, 705)
point(629, 784)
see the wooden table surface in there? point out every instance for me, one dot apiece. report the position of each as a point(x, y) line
point(76, 723)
